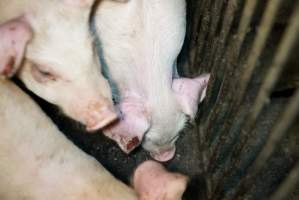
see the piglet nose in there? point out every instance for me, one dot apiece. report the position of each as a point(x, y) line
point(165, 155)
point(99, 116)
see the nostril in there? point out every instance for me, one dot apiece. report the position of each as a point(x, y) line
point(164, 155)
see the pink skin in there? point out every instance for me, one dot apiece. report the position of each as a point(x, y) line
point(164, 156)
point(129, 130)
point(14, 36)
point(190, 91)
point(152, 182)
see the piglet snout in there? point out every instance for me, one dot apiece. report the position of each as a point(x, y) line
point(152, 181)
point(165, 155)
point(99, 116)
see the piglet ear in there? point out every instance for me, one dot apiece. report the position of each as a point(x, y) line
point(128, 132)
point(14, 37)
point(190, 91)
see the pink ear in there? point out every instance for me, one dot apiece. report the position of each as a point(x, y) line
point(14, 36)
point(190, 92)
point(130, 129)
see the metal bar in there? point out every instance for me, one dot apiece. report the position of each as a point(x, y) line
point(210, 41)
point(192, 32)
point(235, 47)
point(287, 43)
point(276, 135)
point(288, 185)
point(202, 32)
point(219, 46)
point(259, 43)
point(278, 132)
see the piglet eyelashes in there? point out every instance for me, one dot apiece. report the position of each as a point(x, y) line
point(40, 75)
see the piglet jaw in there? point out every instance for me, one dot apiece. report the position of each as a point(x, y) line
point(190, 91)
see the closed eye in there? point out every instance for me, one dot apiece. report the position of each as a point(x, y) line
point(41, 75)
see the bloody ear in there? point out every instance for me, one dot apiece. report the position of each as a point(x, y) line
point(14, 37)
point(190, 92)
point(128, 132)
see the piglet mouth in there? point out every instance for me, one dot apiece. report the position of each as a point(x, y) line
point(99, 119)
point(164, 156)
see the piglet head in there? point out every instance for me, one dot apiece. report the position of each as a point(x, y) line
point(61, 66)
point(129, 130)
point(168, 123)
point(189, 92)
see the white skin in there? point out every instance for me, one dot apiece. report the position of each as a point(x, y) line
point(141, 41)
point(59, 63)
point(38, 162)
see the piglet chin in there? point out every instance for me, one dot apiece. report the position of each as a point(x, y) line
point(164, 156)
point(100, 119)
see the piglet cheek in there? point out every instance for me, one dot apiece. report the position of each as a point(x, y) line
point(130, 129)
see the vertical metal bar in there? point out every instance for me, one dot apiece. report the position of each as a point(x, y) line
point(280, 58)
point(210, 42)
point(278, 132)
point(287, 43)
point(192, 32)
point(288, 185)
point(258, 46)
point(226, 26)
point(276, 135)
point(202, 32)
point(235, 47)
point(219, 46)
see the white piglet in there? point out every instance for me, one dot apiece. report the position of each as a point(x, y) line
point(141, 41)
point(38, 162)
point(50, 45)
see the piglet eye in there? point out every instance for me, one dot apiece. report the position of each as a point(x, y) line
point(41, 75)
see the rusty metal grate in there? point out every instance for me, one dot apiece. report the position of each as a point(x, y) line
point(247, 45)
